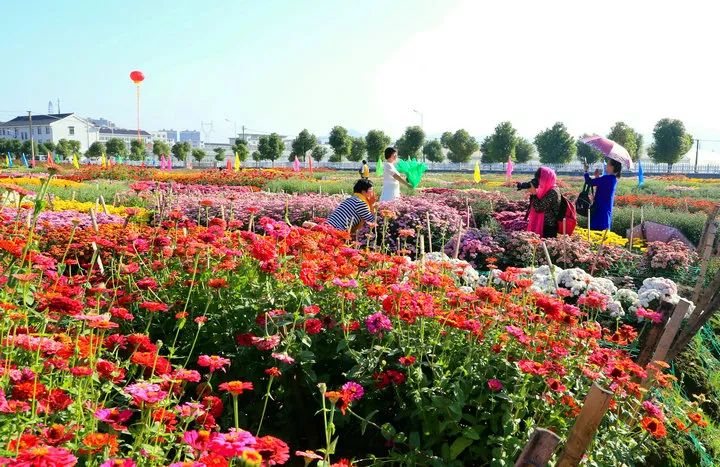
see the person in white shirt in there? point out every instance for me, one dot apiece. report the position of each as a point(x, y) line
point(391, 177)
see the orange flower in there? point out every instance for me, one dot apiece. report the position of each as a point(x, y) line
point(97, 442)
point(654, 426)
point(236, 387)
point(697, 419)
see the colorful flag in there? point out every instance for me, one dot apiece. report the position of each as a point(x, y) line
point(509, 170)
point(476, 176)
point(296, 165)
point(32, 162)
point(641, 175)
point(25, 161)
point(228, 164)
point(379, 168)
point(76, 162)
point(50, 160)
point(237, 162)
point(103, 161)
point(9, 159)
point(310, 159)
point(188, 164)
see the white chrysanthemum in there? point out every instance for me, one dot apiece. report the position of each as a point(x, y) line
point(615, 309)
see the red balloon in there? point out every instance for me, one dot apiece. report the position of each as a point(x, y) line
point(136, 76)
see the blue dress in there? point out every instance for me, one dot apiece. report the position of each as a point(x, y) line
point(601, 212)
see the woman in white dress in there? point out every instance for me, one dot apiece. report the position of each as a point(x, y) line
point(391, 177)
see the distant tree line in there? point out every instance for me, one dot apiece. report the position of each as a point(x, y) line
point(553, 145)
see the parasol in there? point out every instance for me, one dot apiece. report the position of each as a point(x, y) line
point(655, 232)
point(610, 149)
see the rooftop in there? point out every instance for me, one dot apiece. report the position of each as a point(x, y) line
point(36, 119)
point(122, 132)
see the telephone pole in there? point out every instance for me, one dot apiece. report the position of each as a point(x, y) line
point(697, 151)
point(32, 140)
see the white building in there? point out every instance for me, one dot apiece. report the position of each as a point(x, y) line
point(51, 128)
point(105, 134)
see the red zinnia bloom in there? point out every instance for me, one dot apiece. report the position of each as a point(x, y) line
point(236, 387)
point(153, 307)
point(407, 361)
point(273, 450)
point(273, 371)
point(218, 283)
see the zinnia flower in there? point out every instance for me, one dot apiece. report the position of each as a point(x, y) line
point(495, 384)
point(236, 387)
point(213, 362)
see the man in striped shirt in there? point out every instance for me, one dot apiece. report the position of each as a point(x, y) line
point(355, 210)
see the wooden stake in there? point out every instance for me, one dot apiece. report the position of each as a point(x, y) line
point(427, 218)
point(705, 247)
point(632, 227)
point(653, 335)
point(104, 206)
point(539, 449)
point(586, 424)
point(666, 339)
point(73, 195)
point(459, 238)
point(94, 220)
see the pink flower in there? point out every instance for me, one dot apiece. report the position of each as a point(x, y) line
point(199, 440)
point(266, 343)
point(353, 391)
point(642, 313)
point(114, 417)
point(148, 393)
point(231, 444)
point(377, 323)
point(213, 362)
point(653, 410)
point(346, 284)
point(494, 384)
point(283, 357)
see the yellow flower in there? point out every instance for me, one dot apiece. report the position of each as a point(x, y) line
point(56, 182)
point(143, 215)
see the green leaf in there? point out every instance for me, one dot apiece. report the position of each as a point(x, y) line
point(458, 446)
point(414, 439)
point(471, 433)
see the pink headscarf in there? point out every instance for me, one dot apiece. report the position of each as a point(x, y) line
point(547, 181)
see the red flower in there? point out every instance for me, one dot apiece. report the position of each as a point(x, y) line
point(407, 361)
point(98, 442)
point(313, 326)
point(218, 283)
point(153, 307)
point(236, 387)
point(273, 450)
point(273, 371)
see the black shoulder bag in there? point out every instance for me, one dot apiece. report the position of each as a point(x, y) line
point(583, 202)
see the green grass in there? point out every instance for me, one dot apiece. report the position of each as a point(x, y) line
point(690, 224)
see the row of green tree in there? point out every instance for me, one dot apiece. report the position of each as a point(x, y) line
point(554, 145)
point(63, 148)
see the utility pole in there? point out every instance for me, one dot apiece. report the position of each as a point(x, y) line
point(32, 140)
point(243, 129)
point(58, 99)
point(697, 152)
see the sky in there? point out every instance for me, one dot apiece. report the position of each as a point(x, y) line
point(283, 66)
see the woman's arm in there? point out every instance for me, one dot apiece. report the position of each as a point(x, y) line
point(399, 178)
point(592, 181)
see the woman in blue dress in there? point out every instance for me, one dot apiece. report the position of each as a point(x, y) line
point(602, 207)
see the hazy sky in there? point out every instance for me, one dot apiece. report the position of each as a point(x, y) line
point(285, 65)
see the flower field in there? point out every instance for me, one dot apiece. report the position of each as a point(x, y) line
point(194, 318)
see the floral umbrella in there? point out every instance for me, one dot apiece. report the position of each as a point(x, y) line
point(610, 149)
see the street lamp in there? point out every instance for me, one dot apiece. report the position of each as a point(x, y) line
point(421, 118)
point(421, 125)
point(234, 125)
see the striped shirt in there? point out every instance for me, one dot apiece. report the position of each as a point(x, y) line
point(349, 213)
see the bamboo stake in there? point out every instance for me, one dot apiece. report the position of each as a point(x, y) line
point(632, 228)
point(666, 339)
point(104, 206)
point(457, 243)
point(93, 218)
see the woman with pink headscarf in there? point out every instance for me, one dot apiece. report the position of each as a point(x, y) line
point(544, 203)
